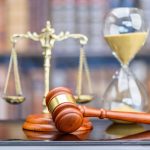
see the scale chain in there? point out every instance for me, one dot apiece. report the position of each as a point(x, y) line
point(79, 81)
point(87, 72)
point(8, 74)
point(13, 61)
point(16, 74)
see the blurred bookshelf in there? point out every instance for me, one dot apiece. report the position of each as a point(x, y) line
point(76, 16)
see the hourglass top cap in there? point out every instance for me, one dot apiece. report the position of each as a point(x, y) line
point(56, 91)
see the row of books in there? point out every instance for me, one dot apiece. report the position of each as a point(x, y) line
point(32, 81)
point(76, 16)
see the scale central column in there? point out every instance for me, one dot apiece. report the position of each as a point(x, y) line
point(47, 57)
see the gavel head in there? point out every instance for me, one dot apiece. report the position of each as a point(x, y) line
point(65, 113)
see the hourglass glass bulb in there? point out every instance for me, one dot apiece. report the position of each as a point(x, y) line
point(125, 31)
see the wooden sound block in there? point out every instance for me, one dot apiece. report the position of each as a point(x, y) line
point(39, 122)
point(33, 135)
point(44, 123)
point(52, 136)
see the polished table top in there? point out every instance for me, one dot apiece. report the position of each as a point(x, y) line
point(103, 133)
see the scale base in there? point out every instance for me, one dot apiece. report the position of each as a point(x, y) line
point(44, 123)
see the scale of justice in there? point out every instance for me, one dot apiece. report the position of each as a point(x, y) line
point(47, 38)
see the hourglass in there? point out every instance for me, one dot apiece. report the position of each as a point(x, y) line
point(125, 31)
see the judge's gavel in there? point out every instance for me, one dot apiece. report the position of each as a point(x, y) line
point(68, 116)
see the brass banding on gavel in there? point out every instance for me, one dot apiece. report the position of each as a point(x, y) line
point(68, 116)
point(62, 98)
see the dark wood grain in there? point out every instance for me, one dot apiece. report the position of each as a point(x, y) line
point(12, 131)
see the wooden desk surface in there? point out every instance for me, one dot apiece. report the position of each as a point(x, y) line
point(104, 134)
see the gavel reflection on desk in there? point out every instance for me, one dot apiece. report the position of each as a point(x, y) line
point(68, 116)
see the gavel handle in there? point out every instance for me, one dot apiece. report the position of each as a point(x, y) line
point(116, 115)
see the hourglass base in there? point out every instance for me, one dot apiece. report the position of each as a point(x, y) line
point(125, 93)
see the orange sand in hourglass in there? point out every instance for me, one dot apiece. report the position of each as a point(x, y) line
point(125, 46)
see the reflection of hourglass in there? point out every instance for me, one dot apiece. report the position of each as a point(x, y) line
point(125, 32)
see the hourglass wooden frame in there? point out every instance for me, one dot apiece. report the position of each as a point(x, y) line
point(47, 38)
